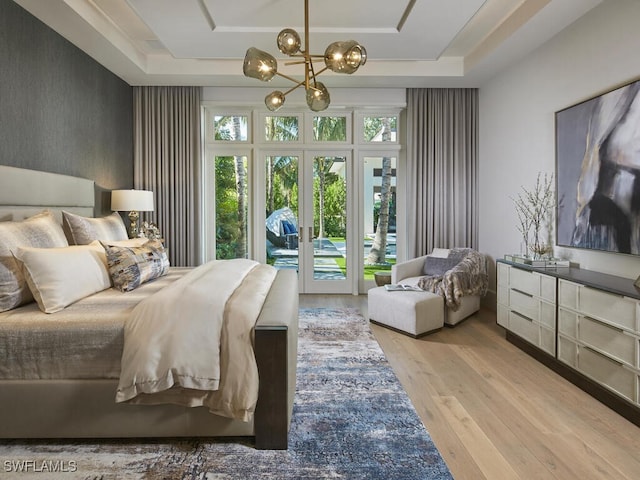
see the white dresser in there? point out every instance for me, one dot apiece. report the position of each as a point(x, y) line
point(585, 325)
point(527, 305)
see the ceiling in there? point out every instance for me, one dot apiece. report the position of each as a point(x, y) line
point(410, 43)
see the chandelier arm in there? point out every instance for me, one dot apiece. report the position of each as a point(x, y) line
point(291, 79)
point(293, 88)
point(319, 72)
point(300, 62)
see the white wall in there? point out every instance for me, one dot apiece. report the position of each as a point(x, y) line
point(598, 52)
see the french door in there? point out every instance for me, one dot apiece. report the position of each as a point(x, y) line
point(307, 218)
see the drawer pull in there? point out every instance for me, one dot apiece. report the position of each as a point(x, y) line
point(521, 316)
point(600, 322)
point(617, 362)
point(522, 293)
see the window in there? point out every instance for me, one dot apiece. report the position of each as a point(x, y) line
point(330, 129)
point(330, 179)
point(380, 129)
point(231, 206)
point(281, 129)
point(230, 128)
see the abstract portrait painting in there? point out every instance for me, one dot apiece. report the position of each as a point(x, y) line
point(598, 172)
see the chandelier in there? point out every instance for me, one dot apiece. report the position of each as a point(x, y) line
point(339, 57)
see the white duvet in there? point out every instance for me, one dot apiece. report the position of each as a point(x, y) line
point(191, 343)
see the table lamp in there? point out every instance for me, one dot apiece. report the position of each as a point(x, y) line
point(133, 201)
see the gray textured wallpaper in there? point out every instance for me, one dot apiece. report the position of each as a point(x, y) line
point(60, 110)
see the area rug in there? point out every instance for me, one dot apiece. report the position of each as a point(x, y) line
point(352, 420)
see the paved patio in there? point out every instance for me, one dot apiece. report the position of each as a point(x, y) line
point(325, 251)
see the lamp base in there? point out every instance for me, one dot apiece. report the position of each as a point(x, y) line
point(133, 227)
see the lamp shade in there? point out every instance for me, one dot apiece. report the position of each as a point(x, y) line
point(288, 41)
point(128, 200)
point(318, 98)
point(259, 64)
point(345, 57)
point(274, 100)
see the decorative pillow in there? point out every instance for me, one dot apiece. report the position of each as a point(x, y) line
point(437, 266)
point(288, 227)
point(130, 242)
point(130, 267)
point(84, 230)
point(58, 277)
point(42, 231)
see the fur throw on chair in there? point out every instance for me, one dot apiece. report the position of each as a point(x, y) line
point(469, 277)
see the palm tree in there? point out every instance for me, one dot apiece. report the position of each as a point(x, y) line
point(326, 128)
point(279, 129)
point(230, 128)
point(241, 190)
point(378, 251)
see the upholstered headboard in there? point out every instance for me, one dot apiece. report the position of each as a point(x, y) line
point(26, 192)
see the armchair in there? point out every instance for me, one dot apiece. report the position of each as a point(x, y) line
point(458, 275)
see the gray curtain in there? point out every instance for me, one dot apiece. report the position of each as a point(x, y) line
point(167, 161)
point(442, 169)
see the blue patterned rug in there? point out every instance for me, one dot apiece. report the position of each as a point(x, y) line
point(352, 420)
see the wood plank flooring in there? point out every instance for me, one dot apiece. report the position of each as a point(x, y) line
point(494, 412)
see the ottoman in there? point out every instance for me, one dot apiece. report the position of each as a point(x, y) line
point(409, 312)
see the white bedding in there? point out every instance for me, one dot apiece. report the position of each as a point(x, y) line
point(83, 341)
point(192, 344)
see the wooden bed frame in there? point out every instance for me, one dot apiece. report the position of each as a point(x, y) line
point(87, 409)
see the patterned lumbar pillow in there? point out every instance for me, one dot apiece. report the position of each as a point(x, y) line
point(84, 230)
point(59, 277)
point(41, 231)
point(130, 267)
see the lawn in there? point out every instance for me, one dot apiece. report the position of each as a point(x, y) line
point(369, 270)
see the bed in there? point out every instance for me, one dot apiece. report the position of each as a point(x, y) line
point(79, 402)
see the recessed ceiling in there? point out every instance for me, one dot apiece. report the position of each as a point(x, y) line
point(409, 42)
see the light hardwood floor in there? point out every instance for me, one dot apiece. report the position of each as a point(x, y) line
point(494, 412)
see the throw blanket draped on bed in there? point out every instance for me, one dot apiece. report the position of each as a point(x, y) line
point(469, 277)
point(191, 343)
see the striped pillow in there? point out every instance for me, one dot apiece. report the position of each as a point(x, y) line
point(84, 230)
point(42, 231)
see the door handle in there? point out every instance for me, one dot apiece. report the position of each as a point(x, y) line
point(310, 234)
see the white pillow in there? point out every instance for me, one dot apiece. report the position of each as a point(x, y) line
point(58, 277)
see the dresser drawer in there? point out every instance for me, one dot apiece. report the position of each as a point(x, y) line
point(503, 274)
point(503, 294)
point(525, 281)
point(606, 306)
point(568, 323)
point(524, 328)
point(567, 351)
point(547, 341)
point(568, 294)
point(607, 372)
point(547, 288)
point(548, 315)
point(607, 339)
point(524, 304)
